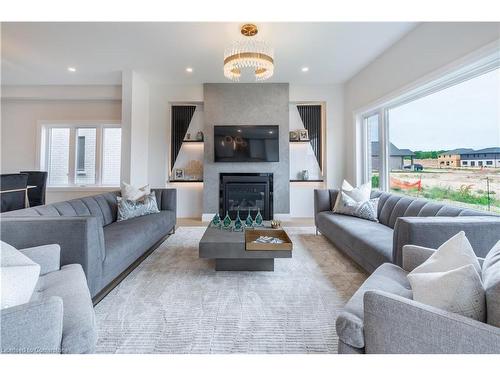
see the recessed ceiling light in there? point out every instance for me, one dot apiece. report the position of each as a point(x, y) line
point(305, 69)
point(189, 70)
point(71, 69)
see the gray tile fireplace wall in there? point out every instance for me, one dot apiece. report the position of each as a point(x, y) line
point(246, 104)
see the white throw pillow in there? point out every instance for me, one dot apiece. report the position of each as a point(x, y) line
point(358, 194)
point(454, 253)
point(133, 193)
point(18, 276)
point(459, 291)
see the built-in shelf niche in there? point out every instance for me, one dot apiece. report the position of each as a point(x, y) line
point(186, 118)
point(308, 154)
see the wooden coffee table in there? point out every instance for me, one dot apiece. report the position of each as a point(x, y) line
point(228, 250)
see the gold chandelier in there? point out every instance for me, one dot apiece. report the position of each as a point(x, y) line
point(249, 54)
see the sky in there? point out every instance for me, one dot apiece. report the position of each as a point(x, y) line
point(465, 115)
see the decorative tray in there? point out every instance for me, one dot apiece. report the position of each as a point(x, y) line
point(252, 235)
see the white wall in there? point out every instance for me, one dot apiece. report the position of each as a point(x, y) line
point(425, 49)
point(23, 107)
point(135, 129)
point(301, 193)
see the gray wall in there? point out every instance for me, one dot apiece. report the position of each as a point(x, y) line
point(246, 104)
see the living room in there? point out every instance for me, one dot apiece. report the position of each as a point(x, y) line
point(249, 187)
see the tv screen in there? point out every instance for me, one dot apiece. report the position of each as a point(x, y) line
point(246, 143)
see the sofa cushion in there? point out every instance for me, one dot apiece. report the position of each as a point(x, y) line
point(127, 240)
point(350, 234)
point(387, 278)
point(491, 283)
point(79, 327)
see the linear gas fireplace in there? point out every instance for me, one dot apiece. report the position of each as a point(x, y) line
point(244, 191)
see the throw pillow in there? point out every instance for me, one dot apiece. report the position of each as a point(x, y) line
point(459, 291)
point(358, 194)
point(491, 284)
point(133, 193)
point(18, 276)
point(454, 253)
point(364, 209)
point(127, 209)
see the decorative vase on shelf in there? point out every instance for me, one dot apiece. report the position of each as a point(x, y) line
point(305, 174)
point(249, 220)
point(258, 219)
point(226, 223)
point(216, 221)
point(238, 224)
point(199, 136)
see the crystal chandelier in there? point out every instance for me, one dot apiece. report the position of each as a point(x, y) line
point(249, 54)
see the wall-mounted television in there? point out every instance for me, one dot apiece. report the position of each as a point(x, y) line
point(247, 143)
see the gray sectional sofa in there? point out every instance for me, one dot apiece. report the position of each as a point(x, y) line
point(402, 220)
point(88, 234)
point(382, 317)
point(59, 318)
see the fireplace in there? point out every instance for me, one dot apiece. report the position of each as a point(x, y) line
point(244, 191)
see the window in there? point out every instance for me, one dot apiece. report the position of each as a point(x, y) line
point(420, 131)
point(111, 156)
point(58, 156)
point(373, 149)
point(81, 154)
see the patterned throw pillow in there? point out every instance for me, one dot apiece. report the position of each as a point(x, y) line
point(364, 210)
point(128, 209)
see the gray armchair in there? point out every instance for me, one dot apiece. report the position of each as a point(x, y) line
point(59, 318)
point(381, 317)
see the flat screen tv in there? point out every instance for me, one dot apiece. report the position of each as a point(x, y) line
point(246, 143)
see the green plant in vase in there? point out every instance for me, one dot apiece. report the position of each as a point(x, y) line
point(216, 221)
point(258, 219)
point(238, 224)
point(226, 223)
point(249, 220)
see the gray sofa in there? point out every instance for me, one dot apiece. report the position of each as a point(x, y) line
point(382, 318)
point(59, 318)
point(89, 235)
point(402, 220)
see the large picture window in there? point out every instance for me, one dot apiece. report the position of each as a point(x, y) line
point(81, 154)
point(443, 146)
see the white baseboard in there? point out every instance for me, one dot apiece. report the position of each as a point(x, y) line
point(206, 218)
point(282, 217)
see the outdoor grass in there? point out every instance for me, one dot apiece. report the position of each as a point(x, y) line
point(464, 195)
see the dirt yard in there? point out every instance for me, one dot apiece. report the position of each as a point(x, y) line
point(475, 180)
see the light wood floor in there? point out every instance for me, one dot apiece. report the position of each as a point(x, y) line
point(295, 222)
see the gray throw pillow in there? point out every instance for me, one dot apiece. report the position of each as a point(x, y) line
point(127, 209)
point(365, 210)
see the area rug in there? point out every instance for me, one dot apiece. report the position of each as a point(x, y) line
point(175, 302)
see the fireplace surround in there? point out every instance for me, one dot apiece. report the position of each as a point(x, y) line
point(244, 191)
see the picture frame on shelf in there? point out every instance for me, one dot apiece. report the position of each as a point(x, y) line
point(294, 135)
point(179, 173)
point(303, 135)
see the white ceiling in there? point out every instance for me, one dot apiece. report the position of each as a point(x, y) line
point(39, 53)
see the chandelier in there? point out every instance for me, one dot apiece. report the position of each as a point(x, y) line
point(249, 54)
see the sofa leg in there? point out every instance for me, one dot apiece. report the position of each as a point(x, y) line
point(317, 231)
point(173, 230)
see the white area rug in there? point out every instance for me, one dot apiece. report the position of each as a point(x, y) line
point(175, 302)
